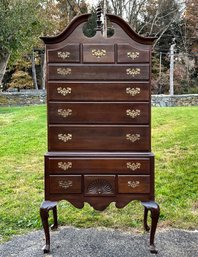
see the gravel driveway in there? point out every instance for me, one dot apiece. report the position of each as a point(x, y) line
point(101, 242)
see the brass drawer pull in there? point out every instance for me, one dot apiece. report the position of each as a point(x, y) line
point(133, 166)
point(65, 112)
point(133, 55)
point(64, 137)
point(64, 91)
point(133, 113)
point(63, 55)
point(133, 91)
point(63, 71)
point(133, 72)
point(133, 137)
point(65, 165)
point(65, 183)
point(98, 53)
point(133, 184)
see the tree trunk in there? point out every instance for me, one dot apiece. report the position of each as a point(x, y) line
point(172, 69)
point(34, 72)
point(3, 65)
point(105, 19)
point(187, 71)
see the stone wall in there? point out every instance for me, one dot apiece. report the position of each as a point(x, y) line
point(176, 100)
point(29, 97)
point(25, 97)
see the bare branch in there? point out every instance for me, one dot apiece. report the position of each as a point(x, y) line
point(162, 32)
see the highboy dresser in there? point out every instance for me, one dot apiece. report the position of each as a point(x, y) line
point(99, 132)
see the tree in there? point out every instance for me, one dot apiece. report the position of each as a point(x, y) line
point(22, 22)
point(68, 9)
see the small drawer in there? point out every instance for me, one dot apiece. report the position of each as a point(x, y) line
point(99, 185)
point(98, 113)
point(70, 53)
point(129, 54)
point(133, 184)
point(65, 184)
point(88, 165)
point(86, 91)
point(99, 138)
point(94, 53)
point(100, 72)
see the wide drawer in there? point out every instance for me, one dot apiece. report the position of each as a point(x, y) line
point(69, 53)
point(129, 54)
point(110, 91)
point(99, 185)
point(102, 113)
point(94, 53)
point(65, 184)
point(99, 138)
point(133, 184)
point(67, 165)
point(98, 72)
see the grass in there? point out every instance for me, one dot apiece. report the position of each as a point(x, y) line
point(23, 144)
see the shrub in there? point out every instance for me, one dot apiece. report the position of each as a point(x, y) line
point(21, 79)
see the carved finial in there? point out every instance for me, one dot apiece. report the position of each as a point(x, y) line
point(99, 22)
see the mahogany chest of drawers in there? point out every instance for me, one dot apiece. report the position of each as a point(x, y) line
point(99, 124)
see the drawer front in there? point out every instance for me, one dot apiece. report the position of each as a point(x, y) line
point(99, 185)
point(100, 72)
point(102, 113)
point(129, 54)
point(65, 184)
point(97, 165)
point(99, 138)
point(99, 91)
point(69, 53)
point(94, 53)
point(133, 184)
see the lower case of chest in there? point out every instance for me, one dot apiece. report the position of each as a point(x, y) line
point(99, 180)
point(99, 190)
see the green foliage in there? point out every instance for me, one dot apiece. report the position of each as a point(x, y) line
point(23, 144)
point(89, 29)
point(22, 22)
point(21, 79)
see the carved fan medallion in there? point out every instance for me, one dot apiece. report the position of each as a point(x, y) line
point(100, 187)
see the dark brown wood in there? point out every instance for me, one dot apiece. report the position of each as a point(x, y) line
point(153, 207)
point(69, 53)
point(46, 206)
point(65, 184)
point(98, 113)
point(98, 138)
point(86, 91)
point(99, 122)
point(99, 72)
point(102, 185)
point(133, 184)
point(64, 165)
point(98, 53)
point(129, 54)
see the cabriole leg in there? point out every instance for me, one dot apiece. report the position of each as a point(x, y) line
point(55, 225)
point(46, 206)
point(153, 207)
point(146, 227)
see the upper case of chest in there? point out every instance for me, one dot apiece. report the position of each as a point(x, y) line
point(102, 84)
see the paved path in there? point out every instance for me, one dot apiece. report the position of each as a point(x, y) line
point(101, 242)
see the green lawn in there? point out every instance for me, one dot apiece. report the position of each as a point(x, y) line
point(23, 144)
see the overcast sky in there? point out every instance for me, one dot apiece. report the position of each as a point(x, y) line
point(92, 2)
